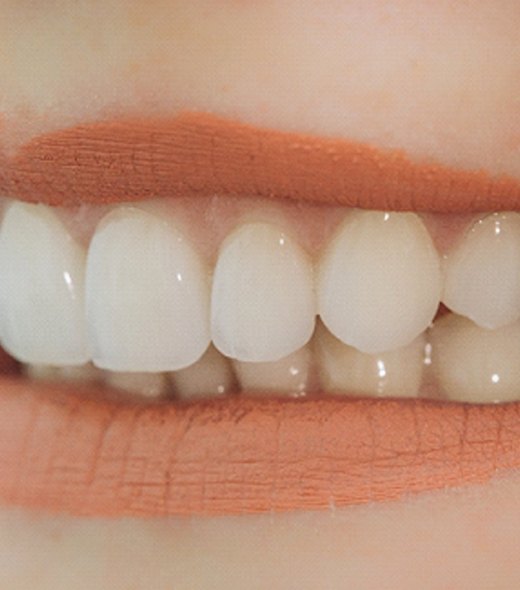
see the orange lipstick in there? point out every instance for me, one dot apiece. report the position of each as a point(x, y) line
point(67, 451)
point(201, 154)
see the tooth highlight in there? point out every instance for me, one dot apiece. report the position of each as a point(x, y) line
point(344, 369)
point(474, 364)
point(481, 275)
point(147, 295)
point(379, 281)
point(290, 375)
point(211, 376)
point(262, 306)
point(41, 288)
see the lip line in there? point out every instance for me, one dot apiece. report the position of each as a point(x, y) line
point(199, 154)
point(63, 450)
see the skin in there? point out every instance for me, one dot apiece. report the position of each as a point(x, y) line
point(439, 80)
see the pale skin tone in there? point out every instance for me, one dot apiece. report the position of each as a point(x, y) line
point(436, 79)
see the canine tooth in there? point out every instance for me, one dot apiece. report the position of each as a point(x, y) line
point(211, 376)
point(474, 364)
point(147, 295)
point(482, 277)
point(41, 288)
point(151, 385)
point(379, 281)
point(263, 305)
point(343, 368)
point(289, 375)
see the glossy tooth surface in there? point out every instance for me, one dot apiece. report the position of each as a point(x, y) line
point(379, 281)
point(211, 376)
point(41, 288)
point(482, 274)
point(290, 375)
point(150, 385)
point(474, 364)
point(344, 369)
point(263, 305)
point(147, 295)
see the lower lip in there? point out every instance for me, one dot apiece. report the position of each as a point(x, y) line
point(67, 450)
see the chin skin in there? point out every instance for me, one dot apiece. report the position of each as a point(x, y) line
point(459, 538)
point(437, 81)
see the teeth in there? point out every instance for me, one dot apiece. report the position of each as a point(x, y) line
point(379, 281)
point(482, 280)
point(138, 304)
point(147, 295)
point(289, 375)
point(263, 306)
point(396, 373)
point(211, 376)
point(151, 385)
point(84, 373)
point(474, 364)
point(41, 288)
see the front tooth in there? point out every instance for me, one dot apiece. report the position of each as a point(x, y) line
point(211, 376)
point(290, 375)
point(474, 364)
point(152, 385)
point(263, 306)
point(147, 295)
point(482, 278)
point(379, 281)
point(41, 288)
point(345, 369)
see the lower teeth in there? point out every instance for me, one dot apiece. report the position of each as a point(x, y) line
point(453, 360)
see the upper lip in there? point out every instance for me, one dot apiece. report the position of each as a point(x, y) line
point(238, 455)
point(202, 154)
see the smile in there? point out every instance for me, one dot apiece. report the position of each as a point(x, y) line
point(259, 336)
point(259, 295)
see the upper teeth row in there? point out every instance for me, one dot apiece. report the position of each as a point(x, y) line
point(142, 298)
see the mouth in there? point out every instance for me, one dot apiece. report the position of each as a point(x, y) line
point(260, 350)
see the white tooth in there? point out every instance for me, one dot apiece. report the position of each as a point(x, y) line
point(151, 385)
point(84, 373)
point(147, 295)
point(482, 277)
point(263, 305)
point(379, 281)
point(211, 376)
point(342, 368)
point(289, 375)
point(474, 364)
point(41, 288)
